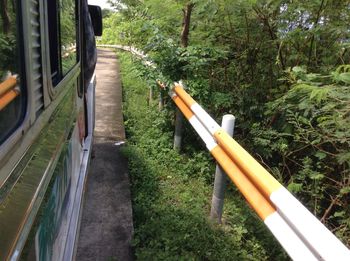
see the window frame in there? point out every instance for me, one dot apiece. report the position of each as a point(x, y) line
point(8, 146)
point(56, 85)
point(18, 128)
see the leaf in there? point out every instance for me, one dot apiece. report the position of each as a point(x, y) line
point(316, 175)
point(339, 214)
point(320, 155)
point(343, 157)
point(295, 187)
point(319, 94)
point(298, 69)
point(344, 77)
point(345, 190)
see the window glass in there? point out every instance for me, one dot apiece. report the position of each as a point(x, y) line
point(54, 40)
point(68, 28)
point(12, 96)
point(62, 37)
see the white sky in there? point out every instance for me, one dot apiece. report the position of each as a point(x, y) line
point(102, 3)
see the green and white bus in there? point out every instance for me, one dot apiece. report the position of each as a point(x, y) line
point(46, 124)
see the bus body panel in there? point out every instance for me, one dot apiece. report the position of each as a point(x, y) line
point(44, 163)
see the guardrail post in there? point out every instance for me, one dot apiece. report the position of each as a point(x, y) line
point(150, 98)
point(179, 118)
point(161, 100)
point(217, 202)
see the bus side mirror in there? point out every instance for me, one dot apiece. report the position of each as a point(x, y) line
point(96, 19)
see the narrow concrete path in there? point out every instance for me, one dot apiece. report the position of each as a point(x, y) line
point(106, 224)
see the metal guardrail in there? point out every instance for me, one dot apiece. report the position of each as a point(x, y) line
point(132, 50)
point(299, 232)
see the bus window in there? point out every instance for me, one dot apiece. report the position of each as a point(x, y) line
point(12, 95)
point(68, 27)
point(53, 37)
point(63, 37)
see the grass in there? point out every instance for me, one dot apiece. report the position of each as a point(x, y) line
point(171, 192)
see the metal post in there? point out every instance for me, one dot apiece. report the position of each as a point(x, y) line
point(161, 100)
point(178, 125)
point(150, 94)
point(217, 202)
point(178, 129)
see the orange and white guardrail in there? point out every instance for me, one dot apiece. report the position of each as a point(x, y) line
point(8, 91)
point(299, 232)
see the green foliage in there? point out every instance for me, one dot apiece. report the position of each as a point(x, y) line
point(281, 67)
point(8, 53)
point(8, 40)
point(311, 136)
point(171, 192)
point(67, 23)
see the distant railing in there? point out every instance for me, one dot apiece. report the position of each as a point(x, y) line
point(299, 232)
point(130, 49)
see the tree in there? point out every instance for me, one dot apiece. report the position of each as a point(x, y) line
point(6, 24)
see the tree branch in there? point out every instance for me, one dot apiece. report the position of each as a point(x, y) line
point(313, 35)
point(5, 17)
point(186, 24)
point(265, 21)
point(328, 210)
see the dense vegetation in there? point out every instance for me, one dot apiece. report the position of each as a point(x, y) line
point(171, 192)
point(279, 66)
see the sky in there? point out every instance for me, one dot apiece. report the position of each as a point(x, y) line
point(102, 3)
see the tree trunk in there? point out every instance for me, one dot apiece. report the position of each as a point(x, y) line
point(179, 118)
point(186, 24)
point(5, 17)
point(14, 6)
point(313, 34)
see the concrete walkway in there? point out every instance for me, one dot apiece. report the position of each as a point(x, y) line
point(106, 224)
